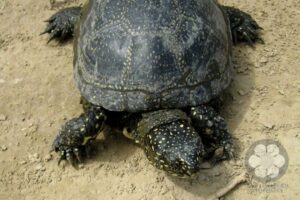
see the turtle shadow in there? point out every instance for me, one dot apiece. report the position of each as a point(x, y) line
point(67, 41)
point(237, 98)
point(236, 103)
point(111, 147)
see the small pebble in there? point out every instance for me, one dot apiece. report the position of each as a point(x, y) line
point(40, 168)
point(23, 162)
point(269, 125)
point(36, 155)
point(242, 92)
point(48, 157)
point(263, 60)
point(3, 117)
point(80, 166)
point(3, 148)
point(281, 92)
point(17, 80)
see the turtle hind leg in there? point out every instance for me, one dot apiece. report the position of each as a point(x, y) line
point(213, 130)
point(243, 27)
point(61, 25)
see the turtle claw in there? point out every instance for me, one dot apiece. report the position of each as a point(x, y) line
point(248, 32)
point(78, 155)
point(243, 27)
point(229, 151)
point(61, 24)
point(225, 152)
point(72, 153)
point(217, 139)
point(72, 156)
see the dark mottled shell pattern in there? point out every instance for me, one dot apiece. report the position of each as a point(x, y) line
point(137, 55)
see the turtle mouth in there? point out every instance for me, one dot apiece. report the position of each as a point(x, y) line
point(182, 166)
point(184, 171)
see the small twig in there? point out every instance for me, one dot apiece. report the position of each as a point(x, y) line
point(234, 183)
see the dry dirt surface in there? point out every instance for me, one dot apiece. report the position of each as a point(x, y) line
point(38, 94)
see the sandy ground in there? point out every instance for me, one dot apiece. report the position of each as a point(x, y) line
point(38, 94)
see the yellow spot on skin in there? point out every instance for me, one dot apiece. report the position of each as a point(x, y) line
point(208, 131)
point(82, 129)
point(86, 140)
point(181, 125)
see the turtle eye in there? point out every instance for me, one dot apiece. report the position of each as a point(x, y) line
point(127, 132)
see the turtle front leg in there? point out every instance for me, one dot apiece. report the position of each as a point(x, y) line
point(61, 24)
point(74, 137)
point(243, 26)
point(213, 131)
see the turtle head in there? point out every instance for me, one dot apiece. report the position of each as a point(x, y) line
point(176, 148)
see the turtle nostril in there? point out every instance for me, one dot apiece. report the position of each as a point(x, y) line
point(190, 167)
point(190, 161)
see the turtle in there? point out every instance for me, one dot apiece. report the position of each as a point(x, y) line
point(152, 68)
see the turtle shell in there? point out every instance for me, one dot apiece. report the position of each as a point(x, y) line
point(142, 55)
